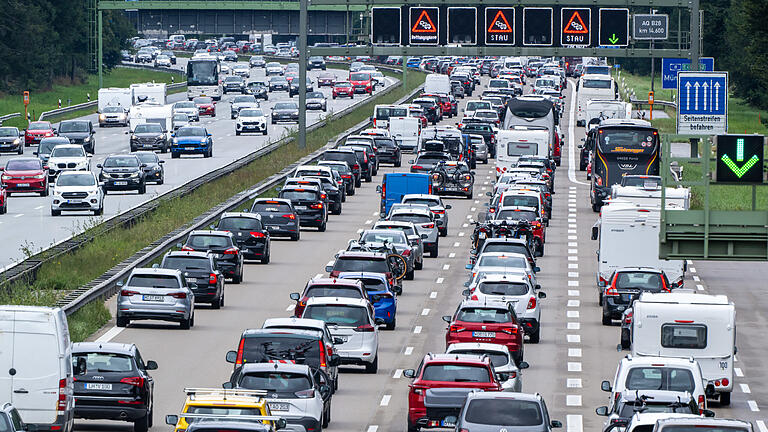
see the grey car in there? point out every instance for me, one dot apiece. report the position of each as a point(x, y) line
point(285, 111)
point(507, 371)
point(155, 294)
point(11, 140)
point(316, 101)
point(435, 204)
point(240, 102)
point(396, 238)
point(189, 108)
point(425, 223)
point(480, 147)
point(513, 412)
point(413, 238)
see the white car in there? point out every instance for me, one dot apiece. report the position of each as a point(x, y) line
point(352, 320)
point(241, 70)
point(189, 108)
point(251, 120)
point(435, 204)
point(68, 157)
point(274, 68)
point(77, 190)
point(507, 372)
point(501, 263)
point(517, 290)
point(162, 61)
point(378, 76)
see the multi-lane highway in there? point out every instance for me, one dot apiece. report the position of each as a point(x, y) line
point(28, 225)
point(575, 354)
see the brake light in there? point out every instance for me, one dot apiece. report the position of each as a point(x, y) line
point(322, 353)
point(611, 290)
point(532, 303)
point(212, 278)
point(290, 216)
point(455, 328)
point(628, 318)
point(510, 330)
point(364, 328)
point(178, 295)
point(128, 293)
point(187, 248)
point(231, 251)
point(429, 225)
point(407, 252)
point(725, 382)
point(316, 206)
point(346, 176)
point(438, 211)
point(257, 234)
point(702, 402)
point(684, 321)
point(239, 359)
point(417, 167)
point(61, 406)
point(306, 394)
point(323, 196)
point(134, 381)
point(356, 166)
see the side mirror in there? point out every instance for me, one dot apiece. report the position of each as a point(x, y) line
point(294, 296)
point(338, 340)
point(329, 268)
point(378, 189)
point(98, 166)
point(447, 318)
point(605, 386)
point(231, 356)
point(542, 294)
point(171, 419)
point(536, 269)
point(155, 265)
point(227, 385)
point(151, 365)
point(378, 321)
point(34, 153)
point(708, 413)
point(468, 266)
point(466, 293)
point(411, 161)
point(601, 284)
point(324, 389)
point(335, 359)
point(120, 283)
point(280, 424)
point(448, 206)
point(556, 424)
point(466, 284)
point(212, 226)
point(595, 232)
point(523, 365)
point(425, 236)
point(602, 411)
point(161, 162)
point(179, 245)
point(409, 373)
point(489, 194)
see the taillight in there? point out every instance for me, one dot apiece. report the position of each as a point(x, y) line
point(702, 403)
point(128, 293)
point(455, 328)
point(290, 216)
point(356, 166)
point(187, 248)
point(316, 206)
point(134, 381)
point(510, 330)
point(364, 328)
point(532, 303)
point(611, 290)
point(212, 279)
point(407, 252)
point(429, 225)
point(63, 396)
point(323, 196)
point(239, 359)
point(322, 353)
point(346, 176)
point(628, 318)
point(231, 251)
point(306, 394)
point(257, 234)
point(178, 295)
point(438, 211)
point(417, 167)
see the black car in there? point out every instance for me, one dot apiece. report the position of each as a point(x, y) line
point(334, 194)
point(585, 149)
point(149, 136)
point(625, 286)
point(388, 151)
point(257, 61)
point(348, 156)
point(122, 172)
point(316, 62)
point(344, 171)
point(293, 88)
point(250, 235)
point(153, 171)
point(452, 178)
point(112, 382)
point(285, 111)
point(229, 259)
point(483, 129)
point(230, 56)
point(431, 109)
point(234, 83)
point(278, 217)
point(203, 277)
point(427, 160)
point(11, 140)
point(79, 132)
point(46, 146)
point(365, 163)
point(278, 83)
point(309, 204)
point(258, 89)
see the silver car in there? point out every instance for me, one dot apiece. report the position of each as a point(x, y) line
point(425, 223)
point(501, 263)
point(414, 238)
point(155, 294)
point(241, 102)
point(507, 372)
point(398, 239)
point(481, 149)
point(189, 108)
point(514, 412)
point(435, 204)
point(317, 101)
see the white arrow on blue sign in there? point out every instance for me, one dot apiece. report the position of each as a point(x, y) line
point(702, 103)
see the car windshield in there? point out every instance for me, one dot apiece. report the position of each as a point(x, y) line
point(23, 165)
point(505, 247)
point(315, 95)
point(503, 288)
point(219, 411)
point(299, 195)
point(651, 282)
point(271, 207)
point(498, 359)
point(120, 161)
point(342, 315)
point(245, 98)
point(202, 100)
point(239, 223)
point(333, 291)
point(286, 106)
point(703, 428)
point(381, 237)
point(73, 126)
point(148, 128)
point(153, 281)
point(39, 126)
point(251, 113)
point(483, 315)
point(184, 105)
point(456, 373)
point(112, 109)
point(660, 378)
point(360, 76)
point(187, 263)
point(47, 144)
point(180, 118)
point(191, 132)
point(518, 215)
point(486, 114)
point(501, 261)
point(520, 201)
point(104, 362)
point(504, 412)
point(416, 219)
point(62, 152)
point(84, 179)
point(206, 241)
point(361, 265)
point(274, 381)
point(262, 348)
point(343, 84)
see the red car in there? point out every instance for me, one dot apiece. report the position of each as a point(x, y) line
point(205, 105)
point(443, 101)
point(343, 88)
point(37, 131)
point(488, 322)
point(289, 76)
point(25, 175)
point(455, 371)
point(328, 287)
point(362, 82)
point(418, 112)
point(3, 201)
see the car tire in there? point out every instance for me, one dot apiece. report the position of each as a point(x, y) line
point(295, 237)
point(322, 227)
point(372, 368)
point(351, 191)
point(596, 207)
point(409, 275)
point(99, 211)
point(606, 320)
point(185, 324)
point(337, 210)
point(265, 258)
point(122, 322)
point(410, 427)
point(369, 177)
point(237, 278)
point(536, 336)
point(326, 418)
point(433, 252)
point(398, 163)
point(237, 133)
point(175, 155)
point(43, 193)
point(725, 399)
point(142, 189)
point(141, 424)
point(625, 339)
point(418, 265)
point(217, 302)
point(164, 149)
point(4, 209)
point(21, 149)
point(443, 232)
point(358, 183)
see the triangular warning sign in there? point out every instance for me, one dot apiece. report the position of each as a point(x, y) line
point(499, 24)
point(575, 25)
point(424, 24)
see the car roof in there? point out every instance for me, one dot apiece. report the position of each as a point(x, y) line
point(504, 240)
point(156, 271)
point(279, 367)
point(211, 232)
point(195, 254)
point(411, 210)
point(501, 254)
point(630, 361)
point(367, 275)
point(394, 223)
point(299, 323)
point(281, 200)
point(484, 346)
point(241, 214)
point(361, 254)
point(382, 231)
point(639, 269)
point(651, 418)
point(503, 277)
point(332, 281)
point(311, 188)
point(531, 397)
point(521, 208)
point(487, 304)
point(104, 347)
point(456, 358)
point(69, 146)
point(343, 301)
point(274, 331)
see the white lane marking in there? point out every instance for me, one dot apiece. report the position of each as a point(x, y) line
point(38, 207)
point(368, 222)
point(574, 303)
point(469, 216)
point(573, 283)
point(439, 280)
point(572, 204)
point(572, 226)
point(483, 188)
point(360, 230)
point(572, 200)
point(110, 334)
point(446, 266)
point(696, 278)
point(693, 270)
point(745, 388)
point(574, 326)
point(573, 258)
point(573, 251)
point(456, 244)
point(571, 231)
point(417, 330)
point(290, 308)
point(689, 262)
point(573, 338)
point(461, 234)
point(572, 187)
point(574, 366)
point(425, 312)
point(408, 351)
point(572, 145)
point(398, 373)
point(573, 274)
point(573, 382)
point(573, 423)
point(574, 293)
point(752, 406)
point(572, 237)
point(573, 400)
point(573, 265)
point(374, 428)
point(700, 287)
point(473, 209)
point(464, 225)
point(761, 426)
point(452, 255)
point(375, 213)
point(572, 314)
point(477, 201)
point(318, 276)
point(433, 294)
point(385, 400)
point(738, 372)
point(574, 352)
point(571, 221)
point(19, 215)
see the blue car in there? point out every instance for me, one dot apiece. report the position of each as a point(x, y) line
point(413, 62)
point(381, 295)
point(192, 140)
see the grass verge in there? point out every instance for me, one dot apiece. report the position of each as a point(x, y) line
point(77, 93)
point(73, 270)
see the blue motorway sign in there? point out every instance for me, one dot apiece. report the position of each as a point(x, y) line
point(702, 103)
point(671, 66)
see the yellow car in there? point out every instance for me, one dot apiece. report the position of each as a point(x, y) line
point(221, 404)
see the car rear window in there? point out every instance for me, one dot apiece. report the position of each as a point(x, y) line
point(104, 362)
point(660, 378)
point(219, 411)
point(505, 248)
point(295, 195)
point(484, 315)
point(281, 346)
point(187, 263)
point(424, 201)
point(503, 288)
point(206, 241)
point(521, 148)
point(271, 207)
point(153, 281)
point(651, 282)
point(518, 215)
point(281, 382)
point(338, 314)
point(504, 412)
point(502, 261)
point(239, 223)
point(520, 201)
point(456, 373)
point(627, 410)
point(333, 291)
point(361, 265)
point(686, 336)
point(497, 359)
point(413, 218)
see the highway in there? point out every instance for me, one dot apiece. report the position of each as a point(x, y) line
point(575, 354)
point(28, 225)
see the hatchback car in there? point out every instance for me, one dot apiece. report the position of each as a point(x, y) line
point(36, 131)
point(414, 239)
point(155, 294)
point(205, 105)
point(278, 216)
point(122, 172)
point(625, 285)
point(229, 258)
point(395, 238)
point(344, 171)
point(309, 205)
point(11, 140)
point(112, 382)
point(425, 222)
point(22, 175)
point(490, 322)
point(273, 68)
point(242, 102)
point(251, 236)
point(317, 101)
point(285, 111)
point(514, 412)
point(326, 79)
point(327, 287)
point(342, 88)
point(153, 170)
point(278, 83)
point(77, 190)
point(201, 274)
point(192, 140)
point(382, 296)
point(436, 206)
point(507, 372)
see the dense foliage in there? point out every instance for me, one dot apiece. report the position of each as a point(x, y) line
point(42, 41)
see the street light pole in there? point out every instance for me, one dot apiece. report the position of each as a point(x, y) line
point(302, 136)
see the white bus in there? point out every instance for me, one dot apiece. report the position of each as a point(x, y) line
point(592, 87)
point(203, 78)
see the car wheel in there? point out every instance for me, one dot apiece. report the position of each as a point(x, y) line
point(326, 418)
point(392, 325)
point(185, 324)
point(175, 155)
point(265, 258)
point(237, 133)
point(607, 319)
point(337, 210)
point(43, 193)
point(99, 211)
point(625, 340)
point(409, 275)
point(164, 149)
point(535, 336)
point(398, 163)
point(141, 424)
point(444, 232)
point(295, 237)
point(4, 209)
point(142, 189)
point(410, 427)
point(322, 227)
point(418, 265)
point(373, 367)
point(433, 252)
point(358, 183)
point(21, 149)
point(725, 399)
point(351, 190)
point(236, 279)
point(122, 322)
point(55, 212)
point(216, 303)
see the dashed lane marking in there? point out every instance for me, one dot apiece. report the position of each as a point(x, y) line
point(573, 338)
point(573, 258)
point(573, 283)
point(319, 275)
point(452, 255)
point(425, 311)
point(738, 372)
point(290, 307)
point(398, 373)
point(761, 426)
point(374, 428)
point(571, 231)
point(753, 406)
point(745, 388)
point(573, 251)
point(19, 215)
point(692, 269)
point(573, 400)
point(574, 303)
point(573, 274)
point(572, 314)
point(573, 422)
point(573, 265)
point(38, 207)
point(574, 326)
point(696, 278)
point(574, 352)
point(574, 293)
point(408, 351)
point(700, 287)
point(574, 366)
point(456, 244)
point(461, 234)
point(573, 244)
point(446, 266)
point(439, 280)
point(375, 213)
point(110, 334)
point(385, 400)
point(573, 382)
point(368, 222)
point(433, 294)
point(417, 330)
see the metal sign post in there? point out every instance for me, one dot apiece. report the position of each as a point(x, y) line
point(303, 28)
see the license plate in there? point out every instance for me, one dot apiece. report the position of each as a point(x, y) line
point(301, 207)
point(74, 201)
point(451, 189)
point(98, 386)
point(272, 227)
point(278, 406)
point(189, 148)
point(153, 298)
point(121, 183)
point(447, 423)
point(481, 334)
point(111, 119)
point(191, 279)
point(23, 185)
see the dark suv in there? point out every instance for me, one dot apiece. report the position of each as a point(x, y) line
point(250, 235)
point(203, 277)
point(490, 412)
point(309, 203)
point(123, 172)
point(278, 217)
point(112, 382)
point(348, 156)
point(229, 259)
point(389, 151)
point(149, 136)
point(363, 161)
point(79, 132)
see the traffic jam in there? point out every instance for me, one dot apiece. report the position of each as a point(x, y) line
point(462, 183)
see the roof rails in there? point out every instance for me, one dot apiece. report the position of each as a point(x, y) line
point(195, 391)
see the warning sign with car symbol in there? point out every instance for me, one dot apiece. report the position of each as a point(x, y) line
point(500, 26)
point(576, 24)
point(423, 25)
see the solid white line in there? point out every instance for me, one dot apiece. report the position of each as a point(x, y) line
point(398, 373)
point(425, 312)
point(446, 266)
point(574, 326)
point(290, 307)
point(738, 372)
point(452, 255)
point(573, 423)
point(573, 400)
point(417, 330)
point(574, 293)
point(761, 426)
point(374, 428)
point(573, 382)
point(408, 350)
point(574, 366)
point(385, 400)
point(433, 294)
point(110, 334)
point(745, 388)
point(753, 406)
point(573, 338)
point(439, 280)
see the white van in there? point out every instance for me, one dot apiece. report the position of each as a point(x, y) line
point(437, 84)
point(598, 110)
point(405, 131)
point(382, 113)
point(651, 196)
point(689, 325)
point(592, 87)
point(520, 141)
point(624, 226)
point(36, 360)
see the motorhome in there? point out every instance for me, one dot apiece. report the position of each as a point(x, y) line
point(592, 87)
point(149, 92)
point(598, 110)
point(520, 141)
point(113, 96)
point(152, 113)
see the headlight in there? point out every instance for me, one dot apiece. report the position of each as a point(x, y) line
point(134, 174)
point(133, 138)
point(160, 137)
point(93, 192)
point(102, 117)
point(17, 141)
point(6, 177)
point(203, 140)
point(175, 140)
point(39, 176)
point(87, 139)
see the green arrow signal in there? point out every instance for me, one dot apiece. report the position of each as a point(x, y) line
point(744, 168)
point(613, 39)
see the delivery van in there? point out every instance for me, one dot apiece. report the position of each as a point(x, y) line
point(689, 325)
point(520, 141)
point(406, 132)
point(437, 84)
point(36, 360)
point(395, 185)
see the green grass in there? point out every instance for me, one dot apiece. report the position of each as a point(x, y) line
point(77, 93)
point(73, 270)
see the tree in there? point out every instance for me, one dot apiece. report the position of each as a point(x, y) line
point(747, 42)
